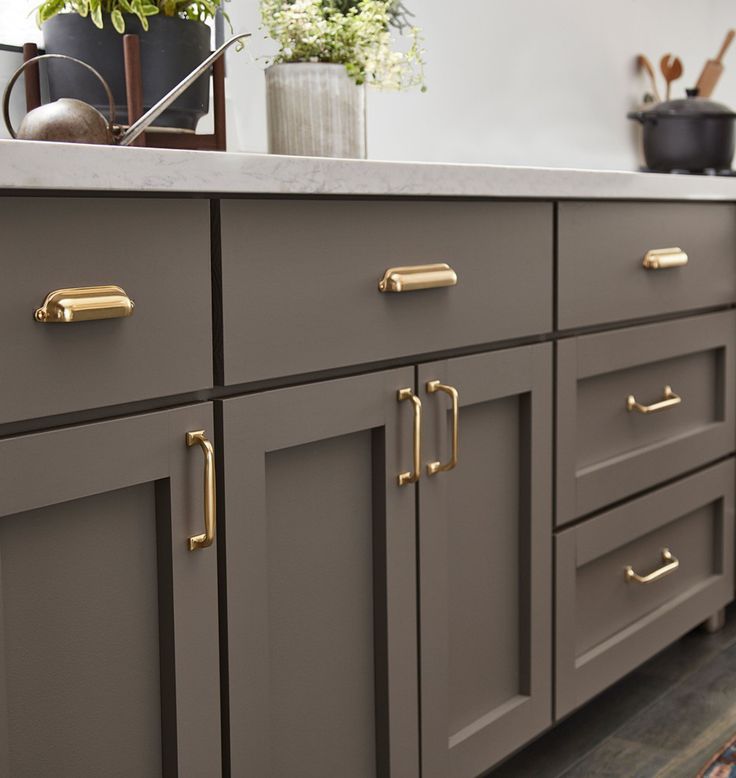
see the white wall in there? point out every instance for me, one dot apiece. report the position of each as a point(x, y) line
point(521, 82)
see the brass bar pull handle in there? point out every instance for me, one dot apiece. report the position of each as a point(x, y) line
point(664, 259)
point(84, 303)
point(669, 565)
point(669, 400)
point(413, 477)
point(437, 467)
point(207, 538)
point(410, 279)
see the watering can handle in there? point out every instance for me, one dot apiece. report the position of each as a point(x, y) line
point(150, 116)
point(21, 69)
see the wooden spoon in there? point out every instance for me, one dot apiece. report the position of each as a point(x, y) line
point(671, 68)
point(643, 63)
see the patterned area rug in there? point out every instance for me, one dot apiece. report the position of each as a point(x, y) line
point(723, 764)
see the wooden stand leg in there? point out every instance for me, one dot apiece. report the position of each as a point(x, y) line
point(133, 82)
point(32, 77)
point(218, 98)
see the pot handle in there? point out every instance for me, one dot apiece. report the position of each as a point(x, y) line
point(642, 117)
point(21, 69)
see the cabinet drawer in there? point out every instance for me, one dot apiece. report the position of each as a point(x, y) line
point(300, 280)
point(608, 447)
point(602, 248)
point(157, 251)
point(693, 519)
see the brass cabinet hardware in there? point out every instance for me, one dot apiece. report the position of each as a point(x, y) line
point(437, 467)
point(669, 565)
point(84, 303)
point(663, 259)
point(413, 477)
point(410, 279)
point(669, 400)
point(207, 538)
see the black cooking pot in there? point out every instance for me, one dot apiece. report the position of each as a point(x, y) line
point(692, 134)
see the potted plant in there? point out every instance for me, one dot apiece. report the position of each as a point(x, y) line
point(174, 39)
point(329, 50)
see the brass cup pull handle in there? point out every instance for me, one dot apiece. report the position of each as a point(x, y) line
point(669, 565)
point(669, 400)
point(410, 279)
point(84, 303)
point(664, 259)
point(413, 477)
point(207, 538)
point(437, 467)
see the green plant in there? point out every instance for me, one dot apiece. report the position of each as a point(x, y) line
point(199, 10)
point(354, 33)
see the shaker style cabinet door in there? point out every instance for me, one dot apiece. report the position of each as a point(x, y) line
point(321, 580)
point(485, 553)
point(108, 622)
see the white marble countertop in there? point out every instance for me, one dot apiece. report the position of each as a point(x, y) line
point(26, 165)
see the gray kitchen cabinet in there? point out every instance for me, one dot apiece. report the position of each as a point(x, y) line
point(485, 560)
point(321, 581)
point(660, 564)
point(300, 280)
point(639, 406)
point(108, 649)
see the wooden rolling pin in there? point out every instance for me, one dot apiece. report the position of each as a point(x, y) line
point(713, 69)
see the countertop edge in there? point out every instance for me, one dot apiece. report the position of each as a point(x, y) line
point(52, 167)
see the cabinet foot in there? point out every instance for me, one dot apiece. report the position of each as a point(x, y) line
point(716, 622)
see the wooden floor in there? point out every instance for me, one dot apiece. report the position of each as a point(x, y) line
point(665, 720)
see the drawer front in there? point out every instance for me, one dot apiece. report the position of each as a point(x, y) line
point(693, 520)
point(157, 251)
point(602, 248)
point(608, 446)
point(300, 281)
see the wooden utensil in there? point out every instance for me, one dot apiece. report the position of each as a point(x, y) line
point(671, 68)
point(643, 63)
point(713, 69)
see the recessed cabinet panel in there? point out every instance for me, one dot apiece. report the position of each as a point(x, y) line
point(321, 574)
point(602, 247)
point(300, 280)
point(81, 645)
point(638, 406)
point(485, 560)
point(661, 564)
point(156, 251)
point(108, 649)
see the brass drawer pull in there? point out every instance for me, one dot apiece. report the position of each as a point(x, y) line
point(84, 303)
point(207, 538)
point(669, 400)
point(670, 564)
point(664, 259)
point(413, 477)
point(410, 279)
point(437, 467)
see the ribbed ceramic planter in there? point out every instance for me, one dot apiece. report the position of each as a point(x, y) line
point(315, 110)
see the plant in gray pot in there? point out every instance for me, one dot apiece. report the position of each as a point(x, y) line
point(329, 50)
point(174, 39)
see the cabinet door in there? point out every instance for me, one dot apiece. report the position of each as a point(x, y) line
point(485, 544)
point(108, 641)
point(321, 581)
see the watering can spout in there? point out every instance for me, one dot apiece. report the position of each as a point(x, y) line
point(142, 124)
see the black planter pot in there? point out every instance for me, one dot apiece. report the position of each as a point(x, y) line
point(170, 50)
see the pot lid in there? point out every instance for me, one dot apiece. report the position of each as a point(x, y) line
point(691, 106)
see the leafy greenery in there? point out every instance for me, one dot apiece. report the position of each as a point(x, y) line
point(198, 10)
point(354, 33)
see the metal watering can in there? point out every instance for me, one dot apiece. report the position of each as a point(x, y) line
point(68, 120)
